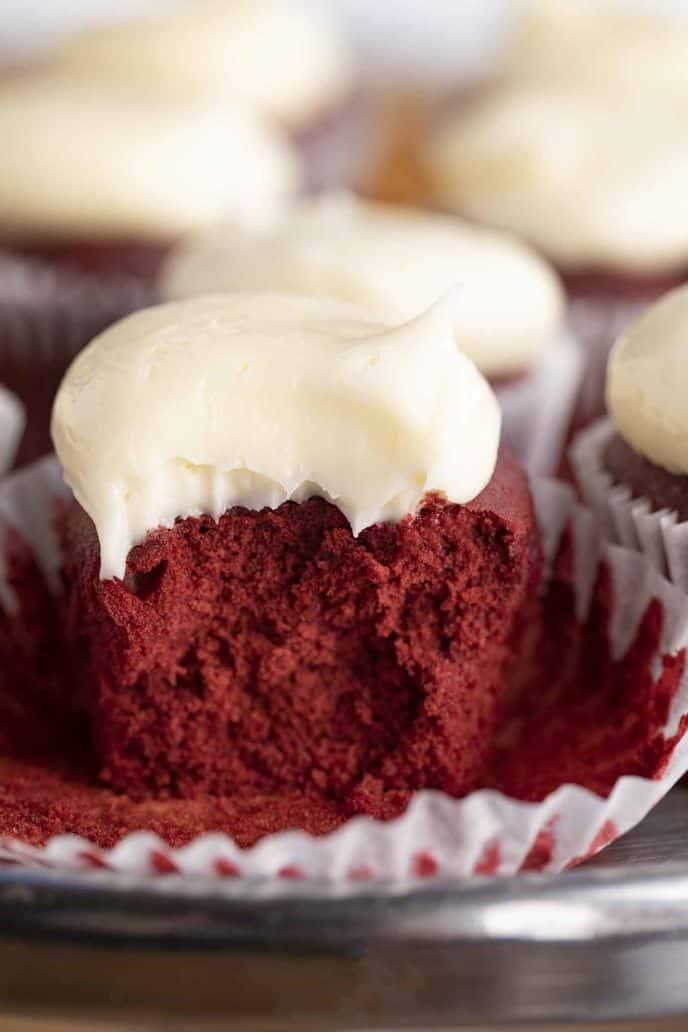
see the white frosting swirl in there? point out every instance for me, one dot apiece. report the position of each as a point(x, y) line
point(592, 181)
point(285, 57)
point(394, 262)
point(80, 161)
point(647, 383)
point(251, 399)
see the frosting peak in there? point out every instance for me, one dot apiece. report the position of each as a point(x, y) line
point(252, 399)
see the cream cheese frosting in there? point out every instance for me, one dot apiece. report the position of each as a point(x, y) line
point(602, 46)
point(285, 57)
point(395, 262)
point(81, 161)
point(647, 383)
point(592, 182)
point(251, 399)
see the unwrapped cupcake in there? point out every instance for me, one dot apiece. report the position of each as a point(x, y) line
point(395, 262)
point(299, 582)
point(632, 468)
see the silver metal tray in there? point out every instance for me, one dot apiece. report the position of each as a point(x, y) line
point(608, 941)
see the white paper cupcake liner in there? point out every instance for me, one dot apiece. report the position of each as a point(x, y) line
point(486, 832)
point(537, 410)
point(12, 423)
point(627, 519)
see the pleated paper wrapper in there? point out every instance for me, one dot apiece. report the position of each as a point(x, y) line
point(627, 519)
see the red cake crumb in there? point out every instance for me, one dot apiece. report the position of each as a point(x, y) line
point(574, 715)
point(275, 652)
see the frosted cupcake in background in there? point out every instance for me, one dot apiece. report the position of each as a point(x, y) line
point(580, 150)
point(95, 185)
point(397, 261)
point(286, 60)
point(632, 468)
point(600, 45)
point(105, 179)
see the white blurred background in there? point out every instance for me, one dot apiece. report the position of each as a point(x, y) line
point(426, 39)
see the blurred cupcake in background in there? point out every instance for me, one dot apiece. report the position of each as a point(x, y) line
point(286, 60)
point(396, 262)
point(599, 45)
point(580, 150)
point(102, 178)
point(96, 183)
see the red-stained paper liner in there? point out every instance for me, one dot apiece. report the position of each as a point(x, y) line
point(484, 833)
point(627, 519)
point(47, 314)
point(537, 409)
point(12, 423)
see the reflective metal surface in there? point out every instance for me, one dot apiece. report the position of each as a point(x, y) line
point(608, 941)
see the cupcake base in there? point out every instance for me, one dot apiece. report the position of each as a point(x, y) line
point(627, 516)
point(604, 695)
point(274, 651)
point(662, 489)
point(601, 718)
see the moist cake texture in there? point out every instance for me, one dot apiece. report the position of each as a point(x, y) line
point(273, 651)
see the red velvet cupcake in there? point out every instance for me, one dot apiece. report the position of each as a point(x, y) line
point(97, 183)
point(297, 563)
